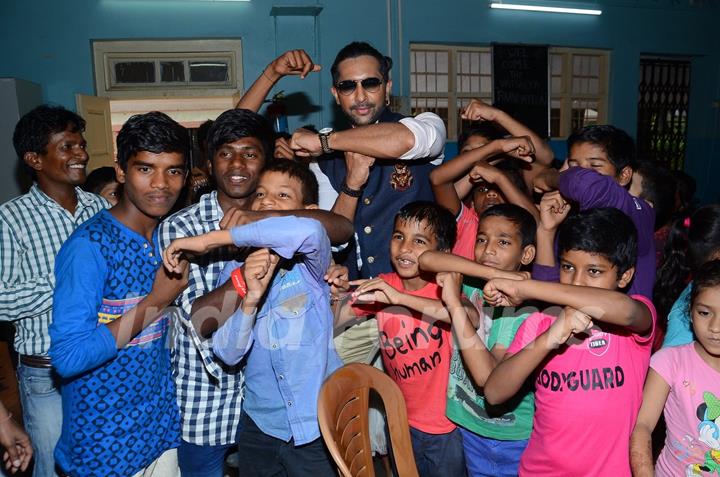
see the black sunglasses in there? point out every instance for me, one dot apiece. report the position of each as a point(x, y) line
point(371, 85)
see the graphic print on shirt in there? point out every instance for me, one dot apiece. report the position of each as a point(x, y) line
point(708, 412)
point(465, 391)
point(597, 343)
point(411, 337)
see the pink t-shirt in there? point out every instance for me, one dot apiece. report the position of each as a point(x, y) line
point(416, 354)
point(587, 397)
point(467, 225)
point(692, 413)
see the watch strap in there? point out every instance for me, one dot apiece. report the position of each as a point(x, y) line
point(324, 142)
point(351, 192)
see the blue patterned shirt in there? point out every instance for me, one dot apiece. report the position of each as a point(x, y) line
point(119, 406)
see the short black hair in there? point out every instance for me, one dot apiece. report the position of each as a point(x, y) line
point(154, 132)
point(603, 231)
point(486, 129)
point(685, 188)
point(658, 188)
point(33, 130)
point(617, 144)
point(236, 124)
point(706, 276)
point(202, 133)
point(361, 48)
point(511, 170)
point(440, 220)
point(98, 179)
point(301, 172)
point(524, 220)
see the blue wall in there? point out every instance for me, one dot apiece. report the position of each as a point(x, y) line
point(48, 42)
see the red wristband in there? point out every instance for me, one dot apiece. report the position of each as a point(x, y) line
point(238, 281)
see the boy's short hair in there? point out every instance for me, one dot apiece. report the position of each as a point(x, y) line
point(98, 179)
point(604, 231)
point(202, 133)
point(154, 132)
point(439, 220)
point(524, 220)
point(617, 144)
point(236, 124)
point(301, 172)
point(658, 188)
point(685, 188)
point(488, 130)
point(360, 48)
point(512, 169)
point(33, 130)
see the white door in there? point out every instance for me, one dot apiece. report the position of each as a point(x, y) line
point(98, 130)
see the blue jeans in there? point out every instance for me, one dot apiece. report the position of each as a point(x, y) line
point(438, 455)
point(487, 457)
point(42, 414)
point(202, 461)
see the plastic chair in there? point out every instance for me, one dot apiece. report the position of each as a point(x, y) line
point(343, 416)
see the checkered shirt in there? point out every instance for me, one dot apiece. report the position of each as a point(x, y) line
point(209, 391)
point(32, 229)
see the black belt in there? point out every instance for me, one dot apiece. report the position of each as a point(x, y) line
point(35, 361)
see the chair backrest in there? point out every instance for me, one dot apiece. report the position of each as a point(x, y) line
point(343, 417)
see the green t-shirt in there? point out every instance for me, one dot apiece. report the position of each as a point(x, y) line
point(466, 407)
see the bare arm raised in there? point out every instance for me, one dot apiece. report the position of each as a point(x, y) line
point(293, 62)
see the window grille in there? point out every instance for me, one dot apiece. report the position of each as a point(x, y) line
point(663, 110)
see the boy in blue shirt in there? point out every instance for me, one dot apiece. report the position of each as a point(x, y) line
point(109, 330)
point(284, 326)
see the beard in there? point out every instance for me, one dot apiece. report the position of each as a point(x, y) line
point(365, 120)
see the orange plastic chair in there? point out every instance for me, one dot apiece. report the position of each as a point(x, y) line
point(343, 416)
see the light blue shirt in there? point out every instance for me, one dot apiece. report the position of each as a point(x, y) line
point(289, 344)
point(679, 329)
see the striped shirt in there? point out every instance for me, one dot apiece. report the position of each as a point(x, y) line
point(209, 391)
point(32, 229)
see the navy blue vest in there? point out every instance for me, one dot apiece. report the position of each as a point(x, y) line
point(374, 218)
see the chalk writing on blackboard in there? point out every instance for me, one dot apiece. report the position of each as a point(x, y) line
point(520, 84)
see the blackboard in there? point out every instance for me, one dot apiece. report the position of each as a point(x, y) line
point(520, 84)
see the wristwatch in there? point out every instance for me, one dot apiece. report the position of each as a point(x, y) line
point(324, 134)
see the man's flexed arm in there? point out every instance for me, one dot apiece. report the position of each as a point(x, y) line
point(293, 62)
point(411, 138)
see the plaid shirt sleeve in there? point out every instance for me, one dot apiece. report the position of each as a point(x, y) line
point(20, 298)
point(198, 285)
point(33, 227)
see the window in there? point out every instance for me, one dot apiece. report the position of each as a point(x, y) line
point(126, 69)
point(578, 89)
point(443, 79)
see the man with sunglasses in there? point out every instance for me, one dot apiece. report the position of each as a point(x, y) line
point(388, 157)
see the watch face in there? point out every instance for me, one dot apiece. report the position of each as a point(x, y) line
point(325, 131)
